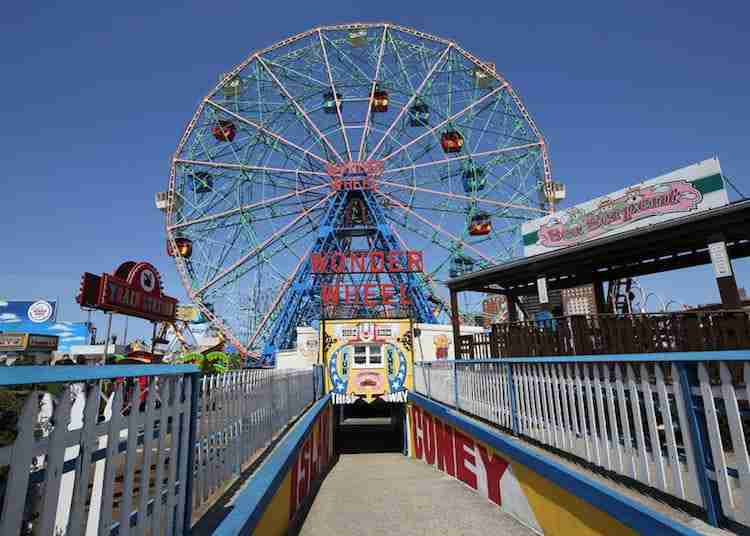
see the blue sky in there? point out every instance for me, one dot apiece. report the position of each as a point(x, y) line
point(96, 95)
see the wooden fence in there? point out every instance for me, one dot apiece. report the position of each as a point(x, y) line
point(611, 334)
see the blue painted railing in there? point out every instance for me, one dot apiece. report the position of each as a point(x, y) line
point(672, 421)
point(79, 455)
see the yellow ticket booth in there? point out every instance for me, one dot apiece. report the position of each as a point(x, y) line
point(368, 359)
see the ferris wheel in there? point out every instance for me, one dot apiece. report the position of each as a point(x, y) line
point(354, 137)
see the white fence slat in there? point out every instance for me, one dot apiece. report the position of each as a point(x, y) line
point(645, 465)
point(536, 404)
point(600, 410)
point(126, 501)
point(161, 452)
point(687, 442)
point(564, 399)
point(714, 439)
point(54, 464)
point(184, 443)
point(677, 487)
point(575, 430)
point(174, 434)
point(552, 404)
point(204, 439)
point(630, 452)
point(648, 399)
point(585, 435)
point(89, 443)
point(611, 398)
point(591, 412)
point(111, 458)
point(148, 439)
point(737, 431)
point(541, 404)
point(22, 453)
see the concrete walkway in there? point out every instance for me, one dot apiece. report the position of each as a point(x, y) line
point(383, 494)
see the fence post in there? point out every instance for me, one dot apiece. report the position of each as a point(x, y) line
point(512, 390)
point(455, 384)
point(703, 458)
point(192, 432)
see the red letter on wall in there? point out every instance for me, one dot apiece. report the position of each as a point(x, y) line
point(319, 262)
point(465, 474)
point(416, 422)
point(428, 429)
point(494, 466)
point(444, 442)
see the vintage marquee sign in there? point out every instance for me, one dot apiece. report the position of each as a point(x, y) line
point(686, 191)
point(367, 262)
point(135, 289)
point(356, 175)
point(368, 294)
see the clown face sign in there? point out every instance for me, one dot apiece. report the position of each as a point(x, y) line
point(368, 360)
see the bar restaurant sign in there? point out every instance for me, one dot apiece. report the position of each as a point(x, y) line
point(683, 192)
point(134, 289)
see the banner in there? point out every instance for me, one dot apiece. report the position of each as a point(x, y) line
point(37, 311)
point(690, 190)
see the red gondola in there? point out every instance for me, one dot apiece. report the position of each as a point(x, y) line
point(379, 100)
point(184, 248)
point(480, 224)
point(452, 141)
point(224, 130)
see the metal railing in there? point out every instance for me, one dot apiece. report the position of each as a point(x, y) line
point(675, 422)
point(239, 413)
point(104, 450)
point(611, 334)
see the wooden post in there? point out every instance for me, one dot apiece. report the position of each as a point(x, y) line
point(456, 325)
point(599, 298)
point(512, 312)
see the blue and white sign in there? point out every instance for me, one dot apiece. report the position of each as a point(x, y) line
point(37, 311)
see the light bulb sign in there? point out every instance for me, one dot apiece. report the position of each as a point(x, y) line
point(134, 289)
point(369, 294)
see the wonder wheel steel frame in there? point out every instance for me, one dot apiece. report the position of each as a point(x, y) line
point(250, 186)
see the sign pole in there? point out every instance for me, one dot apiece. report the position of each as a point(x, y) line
point(153, 337)
point(106, 340)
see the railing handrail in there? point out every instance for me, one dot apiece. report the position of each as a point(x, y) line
point(656, 357)
point(26, 375)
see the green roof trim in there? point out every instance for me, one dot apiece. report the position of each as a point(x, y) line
point(712, 183)
point(531, 238)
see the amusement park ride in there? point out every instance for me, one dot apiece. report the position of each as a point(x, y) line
point(353, 141)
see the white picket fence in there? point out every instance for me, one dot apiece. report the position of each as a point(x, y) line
point(111, 459)
point(631, 417)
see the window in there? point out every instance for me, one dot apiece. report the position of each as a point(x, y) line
point(368, 355)
point(360, 355)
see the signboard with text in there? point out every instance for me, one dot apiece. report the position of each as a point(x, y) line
point(134, 289)
point(683, 192)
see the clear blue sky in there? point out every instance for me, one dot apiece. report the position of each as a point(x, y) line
point(96, 94)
